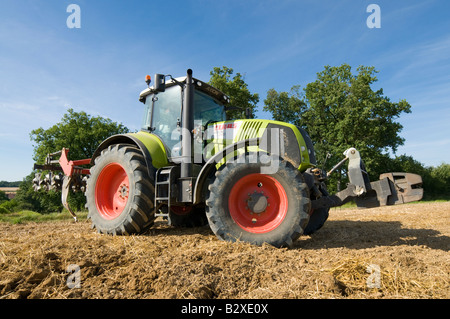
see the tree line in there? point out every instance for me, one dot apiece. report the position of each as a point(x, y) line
point(10, 184)
point(340, 109)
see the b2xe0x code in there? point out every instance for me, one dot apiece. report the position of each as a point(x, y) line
point(246, 308)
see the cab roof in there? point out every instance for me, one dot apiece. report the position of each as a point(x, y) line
point(199, 85)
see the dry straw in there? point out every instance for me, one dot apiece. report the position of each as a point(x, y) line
point(360, 276)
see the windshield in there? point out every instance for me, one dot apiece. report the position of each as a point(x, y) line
point(207, 109)
point(166, 113)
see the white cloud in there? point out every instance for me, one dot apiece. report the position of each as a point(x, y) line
point(18, 106)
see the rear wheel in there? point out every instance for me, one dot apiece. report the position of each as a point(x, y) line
point(119, 192)
point(248, 205)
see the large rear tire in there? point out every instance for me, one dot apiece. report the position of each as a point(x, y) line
point(119, 192)
point(247, 205)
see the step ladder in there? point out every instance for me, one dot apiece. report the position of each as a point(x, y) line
point(164, 191)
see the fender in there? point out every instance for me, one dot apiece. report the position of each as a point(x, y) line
point(149, 144)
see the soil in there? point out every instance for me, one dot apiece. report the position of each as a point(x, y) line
point(389, 252)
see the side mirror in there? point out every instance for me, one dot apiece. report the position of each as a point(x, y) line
point(160, 82)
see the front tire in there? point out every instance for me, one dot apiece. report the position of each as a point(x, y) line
point(119, 192)
point(245, 204)
point(318, 217)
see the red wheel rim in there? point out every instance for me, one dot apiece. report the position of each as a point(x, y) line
point(274, 212)
point(111, 191)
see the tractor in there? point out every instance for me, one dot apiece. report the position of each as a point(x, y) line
point(251, 180)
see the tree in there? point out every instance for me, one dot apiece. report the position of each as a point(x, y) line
point(436, 180)
point(237, 90)
point(41, 202)
point(285, 107)
point(81, 134)
point(3, 196)
point(345, 112)
point(441, 180)
point(340, 110)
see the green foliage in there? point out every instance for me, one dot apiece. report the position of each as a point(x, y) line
point(9, 184)
point(285, 107)
point(77, 131)
point(440, 176)
point(25, 216)
point(41, 202)
point(343, 111)
point(81, 134)
point(436, 180)
point(236, 89)
point(340, 110)
point(3, 196)
point(9, 205)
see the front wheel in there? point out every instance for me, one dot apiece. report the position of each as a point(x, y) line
point(119, 192)
point(248, 205)
point(318, 217)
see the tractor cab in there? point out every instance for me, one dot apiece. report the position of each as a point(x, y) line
point(163, 111)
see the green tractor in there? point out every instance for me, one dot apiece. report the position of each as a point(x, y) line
point(251, 180)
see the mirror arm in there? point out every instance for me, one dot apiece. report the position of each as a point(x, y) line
point(177, 82)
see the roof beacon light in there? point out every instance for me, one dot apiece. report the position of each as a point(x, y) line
point(148, 79)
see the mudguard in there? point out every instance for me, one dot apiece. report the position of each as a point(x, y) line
point(150, 145)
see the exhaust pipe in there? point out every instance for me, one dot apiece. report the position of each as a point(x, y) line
point(187, 126)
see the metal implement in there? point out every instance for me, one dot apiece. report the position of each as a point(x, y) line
point(71, 177)
point(390, 189)
point(393, 189)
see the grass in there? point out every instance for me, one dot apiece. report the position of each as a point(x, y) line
point(30, 216)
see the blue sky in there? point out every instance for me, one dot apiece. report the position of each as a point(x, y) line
point(46, 67)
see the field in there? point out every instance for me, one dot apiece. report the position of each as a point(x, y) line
point(390, 252)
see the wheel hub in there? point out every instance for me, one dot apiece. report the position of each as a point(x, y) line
point(123, 191)
point(257, 203)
